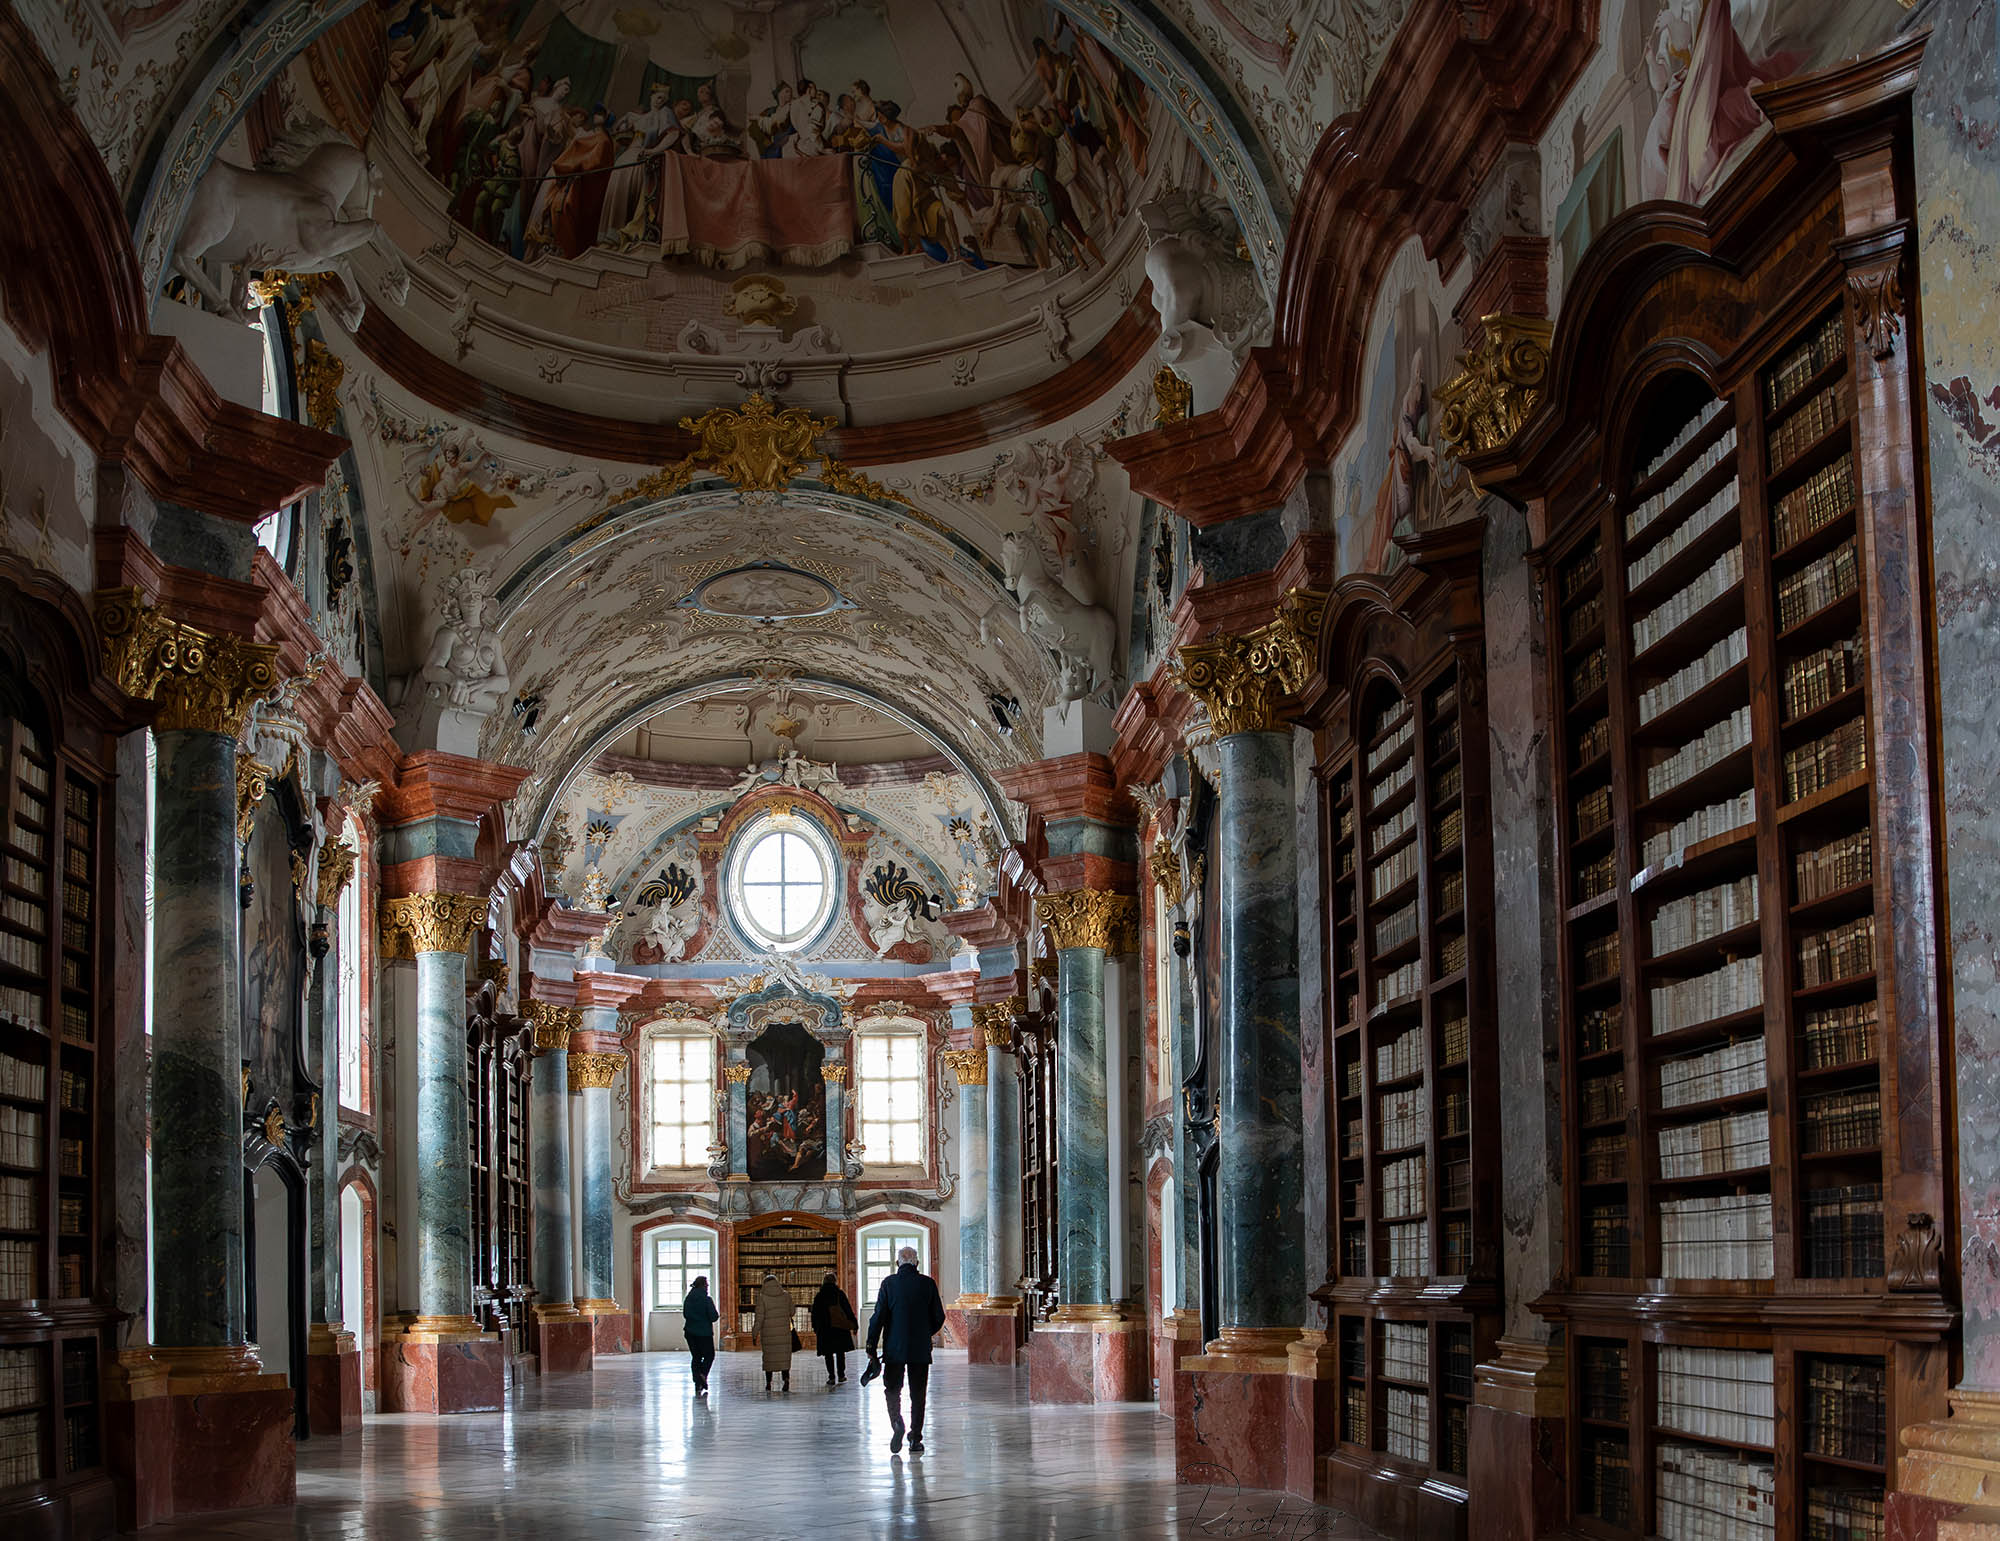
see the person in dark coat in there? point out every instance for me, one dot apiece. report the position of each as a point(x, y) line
point(833, 1322)
point(698, 1316)
point(908, 1314)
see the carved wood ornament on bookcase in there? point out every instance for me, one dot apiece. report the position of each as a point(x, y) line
point(1758, 1197)
point(1413, 1136)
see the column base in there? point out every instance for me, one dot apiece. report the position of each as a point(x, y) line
point(1179, 1338)
point(957, 1327)
point(1948, 1483)
point(1232, 1406)
point(333, 1381)
point(611, 1326)
point(1312, 1425)
point(1088, 1358)
point(197, 1431)
point(440, 1365)
point(565, 1340)
point(993, 1332)
point(1514, 1437)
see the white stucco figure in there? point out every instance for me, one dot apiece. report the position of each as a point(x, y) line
point(242, 222)
point(1211, 310)
point(464, 679)
point(1083, 637)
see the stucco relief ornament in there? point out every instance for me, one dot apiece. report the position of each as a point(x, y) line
point(1210, 305)
point(1082, 636)
point(464, 677)
point(304, 219)
point(1483, 406)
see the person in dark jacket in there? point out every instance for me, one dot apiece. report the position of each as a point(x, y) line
point(833, 1322)
point(908, 1314)
point(698, 1316)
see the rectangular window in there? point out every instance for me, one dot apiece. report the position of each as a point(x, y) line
point(893, 1101)
point(683, 1100)
point(878, 1261)
point(677, 1262)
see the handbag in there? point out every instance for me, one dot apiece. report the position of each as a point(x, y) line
point(843, 1318)
point(796, 1345)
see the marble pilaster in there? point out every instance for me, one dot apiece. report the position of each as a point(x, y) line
point(835, 1076)
point(563, 1336)
point(1260, 1181)
point(737, 1074)
point(969, 1065)
point(590, 1078)
point(1003, 1167)
point(1083, 1205)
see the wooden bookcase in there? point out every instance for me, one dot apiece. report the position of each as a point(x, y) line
point(54, 1335)
point(801, 1249)
point(1413, 1279)
point(1756, 1185)
point(499, 1053)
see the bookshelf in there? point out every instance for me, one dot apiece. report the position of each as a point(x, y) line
point(1758, 1204)
point(802, 1250)
point(52, 1333)
point(1413, 1271)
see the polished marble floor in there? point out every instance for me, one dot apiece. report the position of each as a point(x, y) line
point(629, 1452)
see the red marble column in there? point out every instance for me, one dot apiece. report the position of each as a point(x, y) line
point(611, 1326)
point(441, 1371)
point(993, 1334)
point(196, 1430)
point(1179, 1338)
point(1088, 1361)
point(565, 1340)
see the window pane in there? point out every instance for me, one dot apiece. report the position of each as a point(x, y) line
point(697, 1254)
point(762, 864)
point(906, 1099)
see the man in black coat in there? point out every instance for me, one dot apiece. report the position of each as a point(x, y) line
point(908, 1314)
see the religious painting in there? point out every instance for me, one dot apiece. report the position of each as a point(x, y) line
point(1394, 477)
point(989, 133)
point(274, 956)
point(786, 1105)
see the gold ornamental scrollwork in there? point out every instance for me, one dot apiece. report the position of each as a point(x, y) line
point(553, 1025)
point(204, 682)
point(736, 1075)
point(274, 1127)
point(1173, 398)
point(1167, 872)
point(1242, 678)
point(594, 1072)
point(429, 923)
point(833, 1075)
point(1483, 406)
point(969, 1065)
point(1090, 917)
point(761, 447)
point(253, 780)
point(337, 861)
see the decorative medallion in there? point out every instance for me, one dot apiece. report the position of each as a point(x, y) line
point(758, 447)
point(766, 592)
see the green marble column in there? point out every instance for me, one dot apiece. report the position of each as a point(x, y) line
point(548, 1159)
point(969, 1066)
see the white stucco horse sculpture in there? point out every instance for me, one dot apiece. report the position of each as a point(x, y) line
point(303, 220)
point(1084, 637)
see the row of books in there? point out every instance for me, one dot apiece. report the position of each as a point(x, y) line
point(20, 1449)
point(1383, 752)
point(25, 874)
point(1458, 1183)
point(1787, 376)
point(1450, 779)
point(1593, 741)
point(1730, 1070)
point(1354, 1414)
point(18, 1210)
point(1392, 829)
point(1406, 1118)
point(1406, 1424)
point(20, 1275)
point(1699, 916)
point(1736, 986)
point(1457, 1039)
point(21, 1134)
point(1409, 1251)
point(1685, 604)
point(1600, 958)
point(1582, 621)
point(1816, 678)
point(1451, 954)
point(1818, 584)
point(1607, 1479)
point(1722, 505)
point(1843, 1514)
point(23, 1078)
point(1716, 1393)
point(1838, 864)
point(1456, 1114)
point(1604, 1158)
point(1839, 1035)
point(1812, 422)
point(1815, 766)
point(25, 912)
point(1844, 1402)
point(1397, 983)
point(1403, 1189)
point(1391, 784)
point(1396, 929)
point(1727, 1144)
point(1696, 676)
point(1447, 738)
point(1588, 674)
point(1350, 1085)
point(1657, 504)
point(1449, 831)
point(1593, 812)
point(1451, 891)
point(1607, 1241)
point(1843, 1232)
point(1596, 877)
point(1607, 1382)
point(1716, 1238)
point(1604, 1097)
point(23, 952)
point(1840, 952)
point(1582, 569)
point(1406, 1351)
point(21, 1377)
point(1600, 1028)
point(1710, 1495)
point(1702, 824)
point(1832, 1121)
point(1388, 876)
point(1716, 744)
point(1457, 1255)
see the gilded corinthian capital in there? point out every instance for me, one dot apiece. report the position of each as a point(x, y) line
point(994, 1021)
point(553, 1025)
point(1242, 678)
point(429, 923)
point(1483, 406)
point(969, 1065)
point(204, 682)
point(1090, 917)
point(594, 1072)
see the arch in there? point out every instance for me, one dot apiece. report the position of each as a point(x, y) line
point(261, 1156)
point(901, 1221)
point(367, 1311)
point(643, 1303)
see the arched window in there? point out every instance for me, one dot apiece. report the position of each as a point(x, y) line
point(681, 1088)
point(782, 881)
point(680, 1255)
point(353, 1053)
point(894, 1089)
point(878, 1246)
